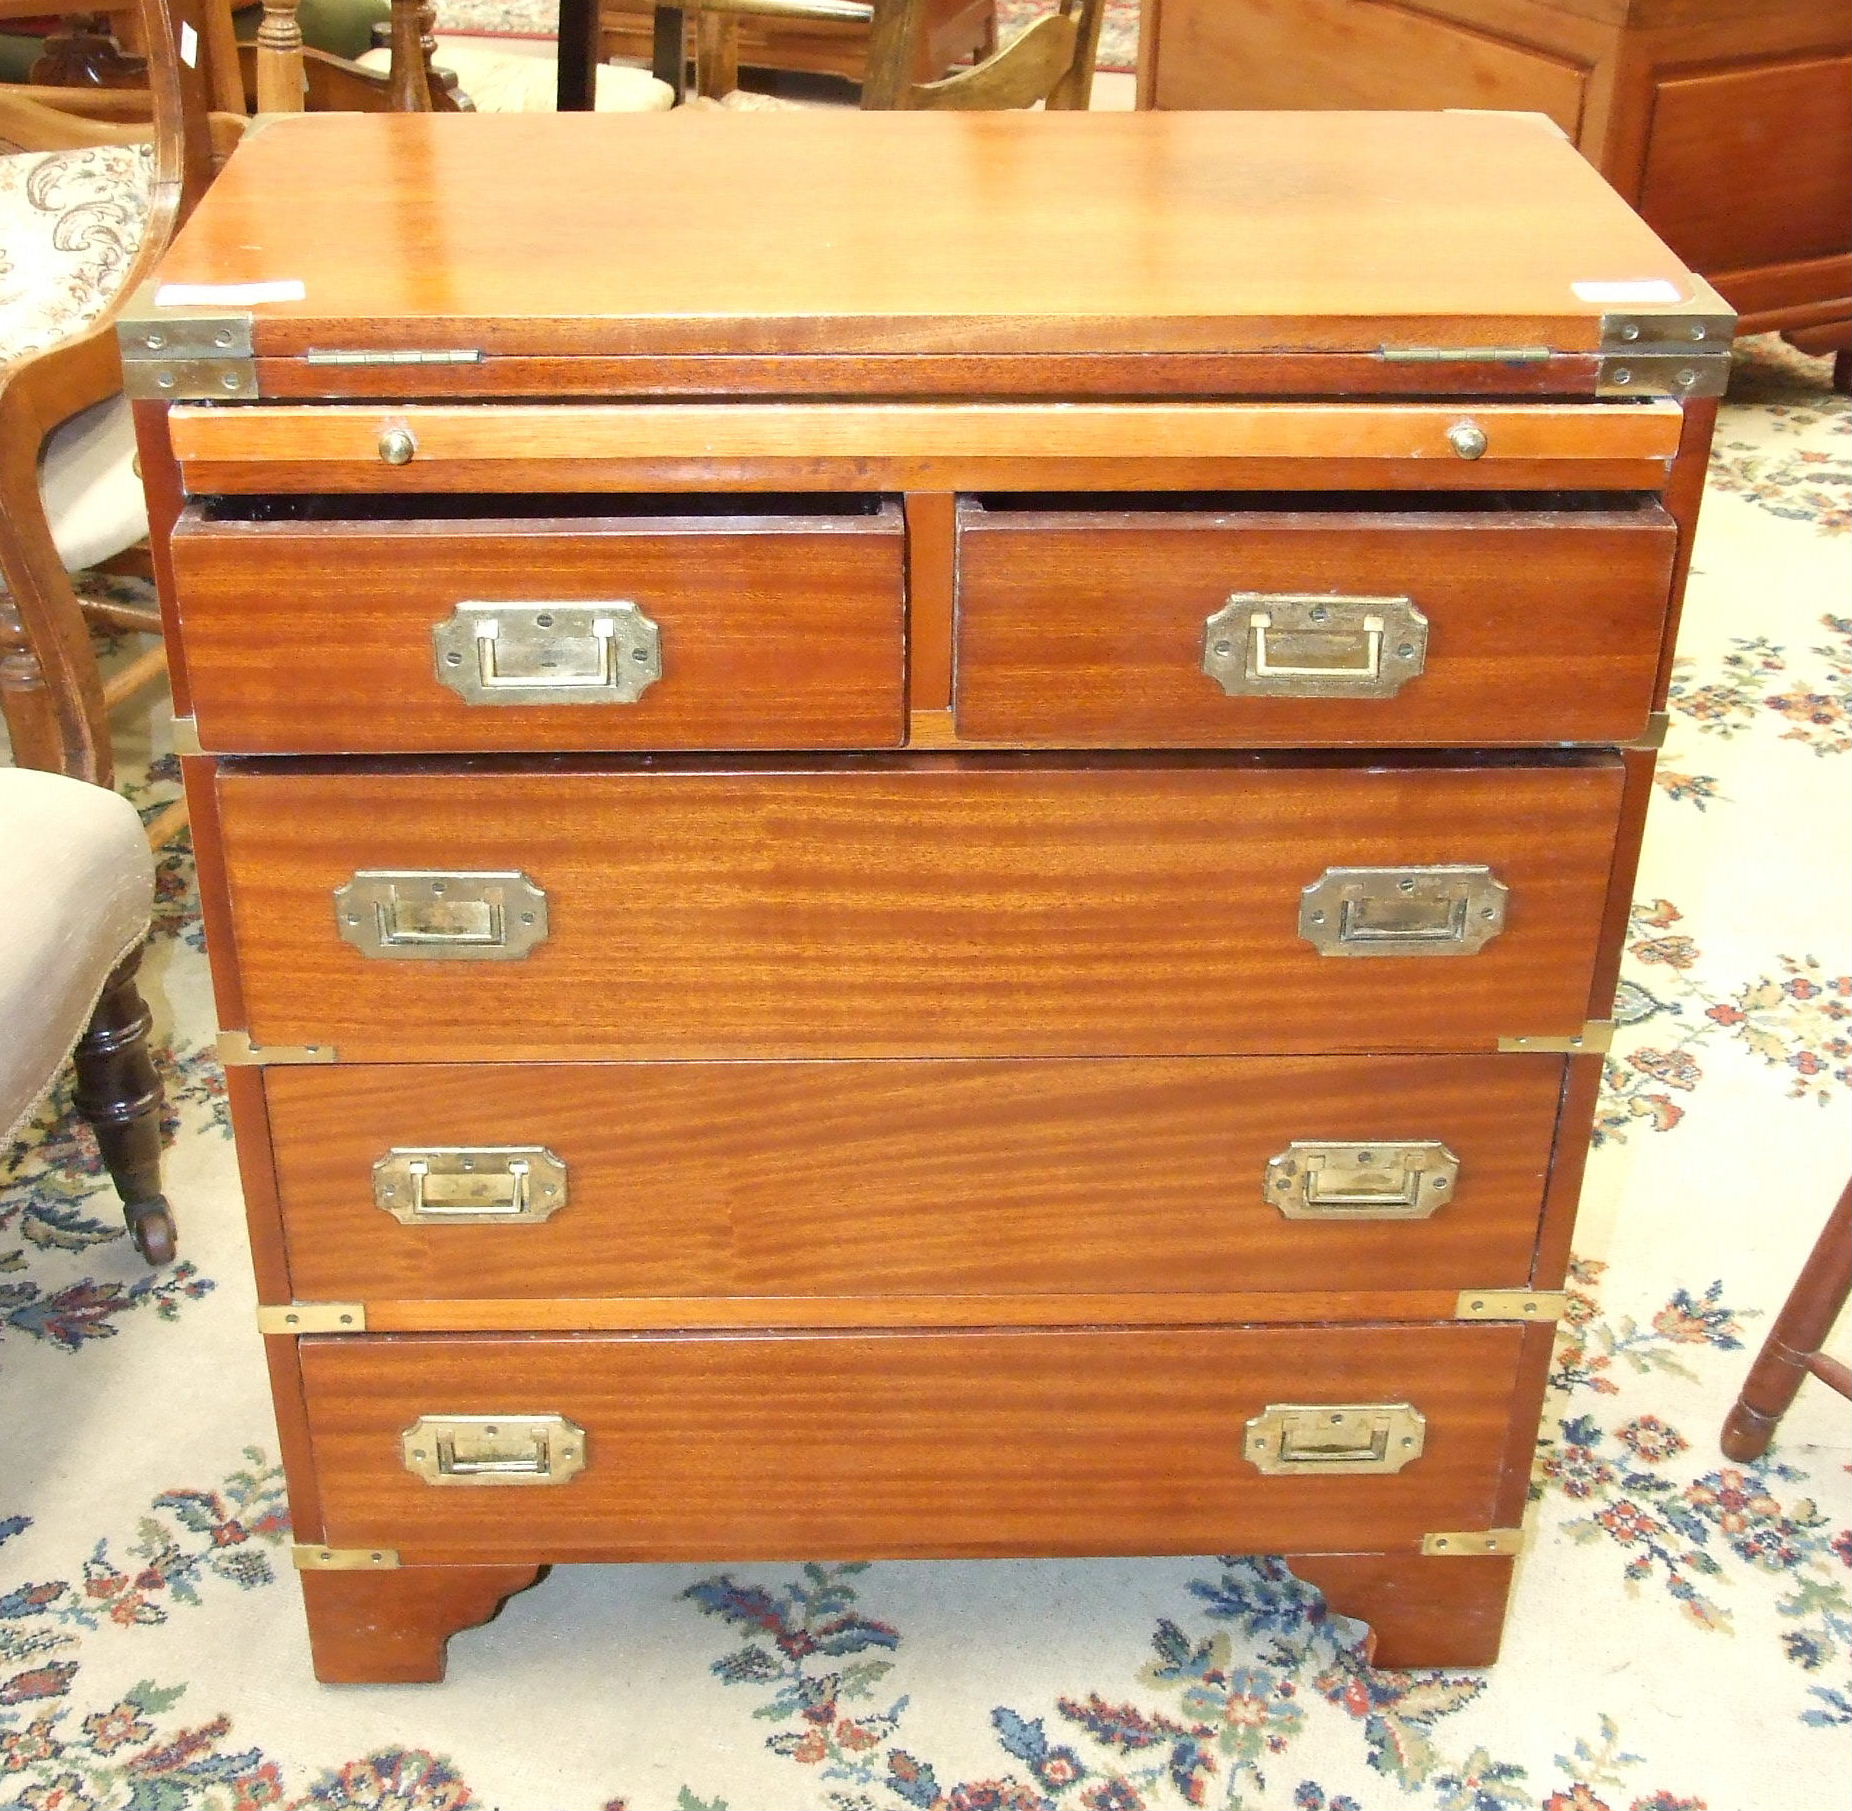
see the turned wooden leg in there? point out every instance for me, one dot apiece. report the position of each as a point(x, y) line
point(119, 1093)
point(1422, 1610)
point(1792, 1349)
point(391, 1628)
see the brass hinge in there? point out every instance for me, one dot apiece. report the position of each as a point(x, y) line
point(1464, 355)
point(236, 1051)
point(186, 736)
point(1510, 1305)
point(344, 1559)
point(1594, 1039)
point(186, 354)
point(1654, 734)
point(1467, 1543)
point(290, 1318)
point(459, 355)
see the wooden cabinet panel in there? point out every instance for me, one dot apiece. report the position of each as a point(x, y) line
point(888, 1445)
point(1719, 138)
point(775, 630)
point(1088, 626)
point(919, 906)
point(903, 1178)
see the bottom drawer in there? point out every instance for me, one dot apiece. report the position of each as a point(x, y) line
point(818, 1446)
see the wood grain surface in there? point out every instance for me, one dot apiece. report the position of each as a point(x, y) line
point(778, 631)
point(990, 232)
point(1081, 626)
point(917, 906)
point(892, 1445)
point(911, 1179)
point(920, 446)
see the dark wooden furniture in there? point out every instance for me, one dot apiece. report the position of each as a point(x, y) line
point(1727, 123)
point(790, 983)
point(1791, 1353)
point(119, 1094)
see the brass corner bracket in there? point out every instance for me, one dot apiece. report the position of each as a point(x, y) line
point(236, 1051)
point(291, 1318)
point(344, 1559)
point(181, 354)
point(1595, 1038)
point(1473, 1543)
point(1510, 1305)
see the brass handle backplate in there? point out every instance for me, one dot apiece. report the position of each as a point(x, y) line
point(1314, 1179)
point(470, 1185)
point(1450, 910)
point(1335, 1439)
point(449, 916)
point(1264, 644)
point(548, 653)
point(494, 1449)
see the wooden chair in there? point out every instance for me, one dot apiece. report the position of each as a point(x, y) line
point(1051, 62)
point(128, 167)
point(1791, 1353)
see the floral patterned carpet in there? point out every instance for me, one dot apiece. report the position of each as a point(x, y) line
point(540, 19)
point(1681, 1638)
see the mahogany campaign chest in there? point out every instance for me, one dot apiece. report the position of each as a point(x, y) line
point(914, 828)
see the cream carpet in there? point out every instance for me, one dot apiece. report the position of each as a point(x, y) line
point(1681, 1638)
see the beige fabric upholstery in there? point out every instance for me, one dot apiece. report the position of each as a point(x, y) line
point(70, 225)
point(77, 896)
point(93, 498)
point(504, 81)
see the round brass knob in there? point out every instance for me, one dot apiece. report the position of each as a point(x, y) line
point(397, 445)
point(1467, 438)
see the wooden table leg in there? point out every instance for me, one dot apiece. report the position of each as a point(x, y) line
point(1792, 1349)
point(580, 35)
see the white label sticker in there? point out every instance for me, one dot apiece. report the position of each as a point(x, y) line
point(1649, 289)
point(231, 295)
point(189, 45)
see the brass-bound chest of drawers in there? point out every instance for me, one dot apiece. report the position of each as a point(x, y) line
point(926, 864)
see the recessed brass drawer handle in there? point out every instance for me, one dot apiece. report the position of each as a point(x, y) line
point(1315, 1180)
point(546, 653)
point(1450, 910)
point(417, 915)
point(1297, 645)
point(494, 1449)
point(470, 1185)
point(1335, 1439)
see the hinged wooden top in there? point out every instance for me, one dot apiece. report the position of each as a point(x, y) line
point(838, 232)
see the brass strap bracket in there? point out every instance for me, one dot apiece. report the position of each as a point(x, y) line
point(344, 1559)
point(1510, 1305)
point(291, 1318)
point(1665, 354)
point(1595, 1038)
point(236, 1051)
point(1658, 725)
point(186, 354)
point(1472, 1543)
point(186, 736)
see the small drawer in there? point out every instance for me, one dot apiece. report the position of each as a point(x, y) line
point(885, 906)
point(1337, 620)
point(803, 1180)
point(450, 624)
point(809, 1446)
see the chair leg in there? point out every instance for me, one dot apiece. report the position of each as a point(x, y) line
point(119, 1093)
point(1792, 1349)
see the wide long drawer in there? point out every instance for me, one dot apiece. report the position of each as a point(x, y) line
point(820, 1446)
point(375, 625)
point(1299, 620)
point(901, 1179)
point(951, 906)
